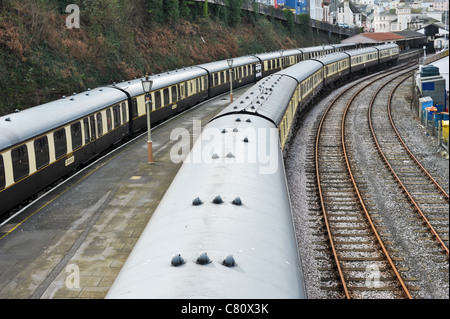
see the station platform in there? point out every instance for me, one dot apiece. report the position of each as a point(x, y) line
point(73, 241)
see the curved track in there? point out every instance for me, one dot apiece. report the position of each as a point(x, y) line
point(424, 193)
point(356, 245)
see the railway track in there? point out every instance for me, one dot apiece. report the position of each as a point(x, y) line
point(364, 265)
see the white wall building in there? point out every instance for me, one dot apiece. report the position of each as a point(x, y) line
point(349, 14)
point(382, 21)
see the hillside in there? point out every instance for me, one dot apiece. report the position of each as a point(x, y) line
point(42, 59)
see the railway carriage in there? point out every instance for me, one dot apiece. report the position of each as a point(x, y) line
point(344, 47)
point(211, 240)
point(314, 52)
point(388, 53)
point(308, 76)
point(336, 68)
point(172, 92)
point(271, 62)
point(245, 70)
point(41, 144)
point(291, 57)
point(363, 59)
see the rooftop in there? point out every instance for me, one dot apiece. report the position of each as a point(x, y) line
point(383, 36)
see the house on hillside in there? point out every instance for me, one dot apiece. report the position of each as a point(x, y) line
point(299, 6)
point(347, 13)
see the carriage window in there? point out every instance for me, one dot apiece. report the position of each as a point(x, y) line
point(157, 100)
point(109, 119)
point(42, 152)
point(174, 93)
point(124, 113)
point(19, 157)
point(182, 91)
point(216, 79)
point(92, 123)
point(166, 96)
point(75, 130)
point(60, 143)
point(116, 112)
point(87, 135)
point(134, 108)
point(2, 173)
point(99, 124)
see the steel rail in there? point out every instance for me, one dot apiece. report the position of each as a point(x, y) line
point(321, 196)
point(411, 155)
point(399, 182)
point(361, 200)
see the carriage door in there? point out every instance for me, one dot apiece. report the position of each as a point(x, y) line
point(258, 71)
point(90, 134)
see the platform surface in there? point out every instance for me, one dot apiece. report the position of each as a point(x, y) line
point(73, 242)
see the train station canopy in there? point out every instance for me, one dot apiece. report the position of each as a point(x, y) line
point(375, 38)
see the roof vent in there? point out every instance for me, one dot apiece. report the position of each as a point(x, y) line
point(203, 259)
point(8, 119)
point(229, 261)
point(197, 201)
point(248, 120)
point(235, 130)
point(235, 107)
point(238, 119)
point(230, 155)
point(177, 260)
point(237, 201)
point(215, 156)
point(218, 200)
point(246, 140)
point(224, 131)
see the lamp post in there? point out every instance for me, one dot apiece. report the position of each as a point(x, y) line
point(230, 64)
point(281, 55)
point(424, 54)
point(147, 86)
